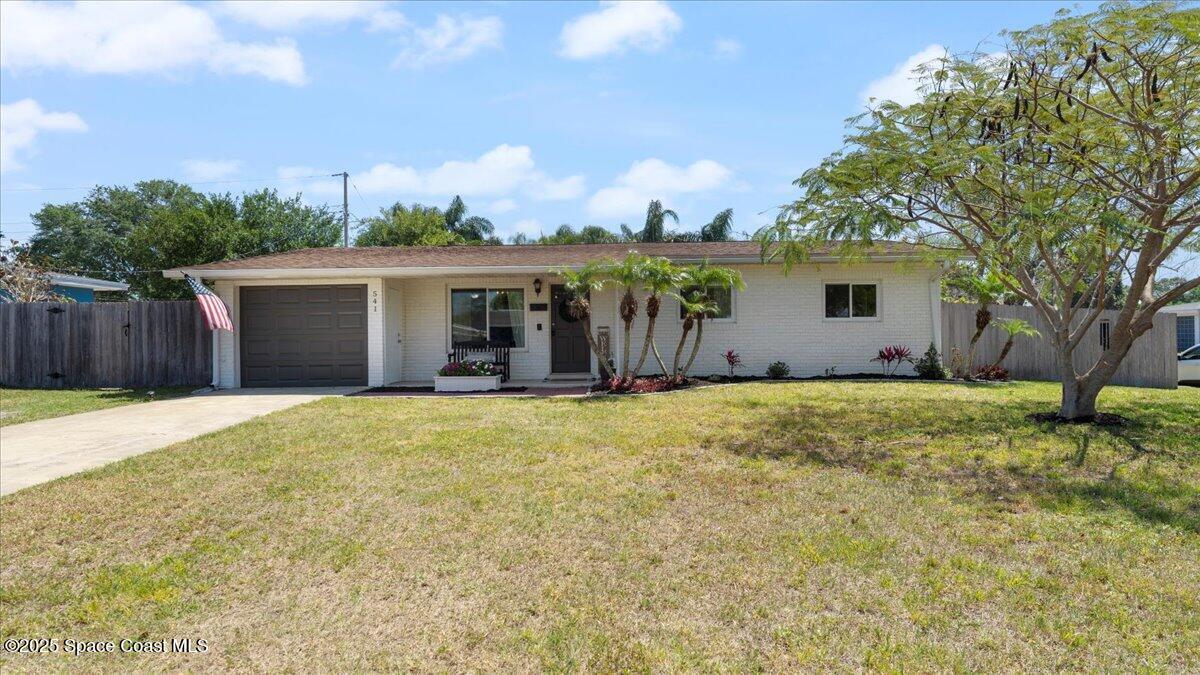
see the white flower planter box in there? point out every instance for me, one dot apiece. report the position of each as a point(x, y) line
point(466, 383)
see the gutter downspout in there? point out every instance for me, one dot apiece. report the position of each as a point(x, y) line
point(935, 306)
point(216, 361)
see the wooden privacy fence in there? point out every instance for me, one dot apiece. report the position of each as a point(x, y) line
point(104, 344)
point(1151, 362)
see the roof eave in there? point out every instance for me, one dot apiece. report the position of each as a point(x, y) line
point(433, 271)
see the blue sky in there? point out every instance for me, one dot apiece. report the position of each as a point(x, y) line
point(537, 113)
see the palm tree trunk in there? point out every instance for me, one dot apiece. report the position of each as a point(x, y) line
point(657, 357)
point(645, 345)
point(1004, 352)
point(625, 349)
point(679, 349)
point(982, 318)
point(587, 333)
point(695, 345)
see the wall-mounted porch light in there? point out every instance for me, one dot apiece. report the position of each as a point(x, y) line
point(537, 287)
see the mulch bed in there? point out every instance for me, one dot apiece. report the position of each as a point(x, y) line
point(1099, 420)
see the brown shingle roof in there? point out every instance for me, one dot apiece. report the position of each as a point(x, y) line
point(535, 255)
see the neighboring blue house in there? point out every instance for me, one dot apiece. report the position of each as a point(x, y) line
point(83, 289)
point(77, 288)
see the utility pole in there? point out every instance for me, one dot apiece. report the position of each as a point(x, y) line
point(345, 208)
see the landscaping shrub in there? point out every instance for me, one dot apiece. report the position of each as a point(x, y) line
point(992, 373)
point(734, 361)
point(467, 369)
point(640, 385)
point(778, 370)
point(929, 366)
point(891, 356)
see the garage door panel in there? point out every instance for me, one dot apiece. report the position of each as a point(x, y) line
point(308, 336)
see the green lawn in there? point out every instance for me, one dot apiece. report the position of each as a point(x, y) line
point(846, 525)
point(27, 405)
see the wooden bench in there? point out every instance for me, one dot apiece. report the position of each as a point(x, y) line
point(497, 350)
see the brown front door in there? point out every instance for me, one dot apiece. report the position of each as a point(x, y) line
point(569, 351)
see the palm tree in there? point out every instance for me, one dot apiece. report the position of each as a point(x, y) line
point(719, 228)
point(699, 279)
point(473, 228)
point(1014, 328)
point(694, 309)
point(628, 273)
point(580, 284)
point(656, 217)
point(985, 290)
point(659, 276)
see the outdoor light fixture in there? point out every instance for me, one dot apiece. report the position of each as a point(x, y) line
point(537, 287)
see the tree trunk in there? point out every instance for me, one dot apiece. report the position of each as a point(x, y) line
point(625, 349)
point(587, 332)
point(695, 345)
point(1004, 352)
point(1081, 391)
point(651, 317)
point(658, 357)
point(982, 318)
point(645, 346)
point(687, 328)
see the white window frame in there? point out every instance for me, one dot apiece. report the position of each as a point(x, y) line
point(852, 283)
point(486, 288)
point(732, 318)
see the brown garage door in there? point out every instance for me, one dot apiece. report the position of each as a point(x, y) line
point(303, 336)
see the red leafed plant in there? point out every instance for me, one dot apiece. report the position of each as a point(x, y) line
point(734, 361)
point(891, 357)
point(992, 373)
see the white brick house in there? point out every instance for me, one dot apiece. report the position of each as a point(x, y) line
point(377, 316)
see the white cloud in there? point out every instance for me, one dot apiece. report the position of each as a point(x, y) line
point(450, 39)
point(135, 37)
point(655, 179)
point(617, 27)
point(727, 48)
point(500, 172)
point(298, 14)
point(501, 206)
point(210, 169)
point(20, 124)
point(530, 227)
point(901, 84)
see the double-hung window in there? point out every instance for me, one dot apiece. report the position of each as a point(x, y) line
point(851, 301)
point(488, 315)
point(720, 296)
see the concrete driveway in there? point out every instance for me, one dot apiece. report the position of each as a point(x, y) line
point(36, 452)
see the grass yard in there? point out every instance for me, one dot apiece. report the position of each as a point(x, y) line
point(847, 525)
point(27, 405)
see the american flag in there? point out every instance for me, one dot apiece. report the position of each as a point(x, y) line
point(216, 315)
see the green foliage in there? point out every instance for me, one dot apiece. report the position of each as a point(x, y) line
point(470, 228)
point(656, 216)
point(565, 234)
point(929, 366)
point(778, 370)
point(1016, 327)
point(719, 228)
point(1069, 164)
point(129, 234)
point(400, 225)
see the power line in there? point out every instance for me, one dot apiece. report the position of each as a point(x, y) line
point(275, 179)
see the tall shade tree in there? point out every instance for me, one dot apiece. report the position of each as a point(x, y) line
point(628, 274)
point(697, 282)
point(400, 225)
point(659, 276)
point(130, 234)
point(1072, 156)
point(656, 218)
point(470, 228)
point(580, 284)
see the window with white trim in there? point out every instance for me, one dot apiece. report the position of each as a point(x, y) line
point(851, 301)
point(720, 296)
point(487, 315)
